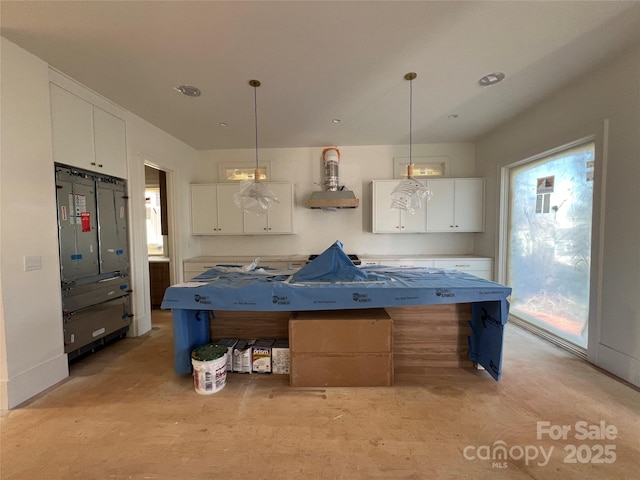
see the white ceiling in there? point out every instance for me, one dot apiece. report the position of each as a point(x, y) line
point(322, 60)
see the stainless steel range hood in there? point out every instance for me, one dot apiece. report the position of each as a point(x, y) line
point(333, 196)
point(333, 199)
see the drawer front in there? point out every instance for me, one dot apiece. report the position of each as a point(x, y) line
point(407, 263)
point(464, 264)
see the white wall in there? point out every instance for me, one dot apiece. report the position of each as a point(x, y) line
point(318, 229)
point(34, 357)
point(147, 143)
point(612, 92)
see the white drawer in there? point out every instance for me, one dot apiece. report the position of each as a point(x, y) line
point(465, 264)
point(364, 262)
point(407, 263)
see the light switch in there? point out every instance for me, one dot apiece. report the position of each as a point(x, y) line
point(32, 263)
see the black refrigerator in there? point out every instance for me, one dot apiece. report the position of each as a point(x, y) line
point(94, 258)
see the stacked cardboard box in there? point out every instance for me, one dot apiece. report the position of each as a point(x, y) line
point(341, 348)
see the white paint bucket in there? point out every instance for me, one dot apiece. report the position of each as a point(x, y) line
point(209, 368)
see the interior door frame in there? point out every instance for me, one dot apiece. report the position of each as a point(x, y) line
point(173, 247)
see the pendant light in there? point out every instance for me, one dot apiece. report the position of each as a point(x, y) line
point(409, 193)
point(255, 196)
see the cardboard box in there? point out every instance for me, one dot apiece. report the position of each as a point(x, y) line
point(261, 356)
point(341, 348)
point(230, 343)
point(242, 356)
point(280, 357)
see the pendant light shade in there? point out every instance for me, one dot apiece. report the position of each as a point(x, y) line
point(255, 196)
point(410, 193)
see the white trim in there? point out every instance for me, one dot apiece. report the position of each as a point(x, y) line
point(33, 381)
point(620, 364)
point(597, 266)
point(503, 225)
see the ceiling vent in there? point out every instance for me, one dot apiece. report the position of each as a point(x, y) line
point(333, 196)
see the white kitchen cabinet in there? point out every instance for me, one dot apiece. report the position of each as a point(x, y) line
point(387, 220)
point(87, 136)
point(279, 218)
point(457, 205)
point(213, 210)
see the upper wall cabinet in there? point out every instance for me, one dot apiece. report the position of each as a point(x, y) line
point(214, 212)
point(386, 220)
point(457, 205)
point(87, 136)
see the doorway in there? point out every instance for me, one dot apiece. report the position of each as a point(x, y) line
point(550, 211)
point(157, 233)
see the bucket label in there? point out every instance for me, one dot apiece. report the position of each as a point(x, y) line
point(210, 377)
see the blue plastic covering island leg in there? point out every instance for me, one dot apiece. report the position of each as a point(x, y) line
point(190, 330)
point(487, 335)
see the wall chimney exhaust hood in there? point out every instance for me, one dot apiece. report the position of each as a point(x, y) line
point(333, 199)
point(333, 196)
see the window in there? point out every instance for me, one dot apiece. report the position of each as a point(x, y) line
point(423, 167)
point(549, 241)
point(237, 172)
point(155, 240)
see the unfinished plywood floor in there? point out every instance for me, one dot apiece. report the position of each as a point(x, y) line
point(124, 414)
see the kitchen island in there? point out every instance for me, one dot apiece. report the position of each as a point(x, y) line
point(423, 303)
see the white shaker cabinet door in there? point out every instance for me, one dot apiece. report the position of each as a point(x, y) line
point(229, 215)
point(72, 129)
point(387, 220)
point(457, 205)
point(110, 143)
point(469, 205)
point(440, 206)
point(204, 210)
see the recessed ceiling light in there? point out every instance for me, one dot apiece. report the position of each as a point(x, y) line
point(188, 90)
point(491, 79)
point(453, 116)
point(335, 120)
point(223, 124)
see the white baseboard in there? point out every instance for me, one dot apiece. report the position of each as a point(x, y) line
point(621, 365)
point(27, 384)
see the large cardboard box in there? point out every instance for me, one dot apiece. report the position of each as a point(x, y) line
point(341, 348)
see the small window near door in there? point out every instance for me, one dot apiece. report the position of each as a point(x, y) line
point(155, 240)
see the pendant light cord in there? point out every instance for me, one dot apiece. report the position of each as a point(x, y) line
point(255, 116)
point(411, 121)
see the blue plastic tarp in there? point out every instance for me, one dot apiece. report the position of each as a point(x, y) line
point(332, 282)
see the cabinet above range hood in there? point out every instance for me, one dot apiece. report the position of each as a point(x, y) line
point(333, 196)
